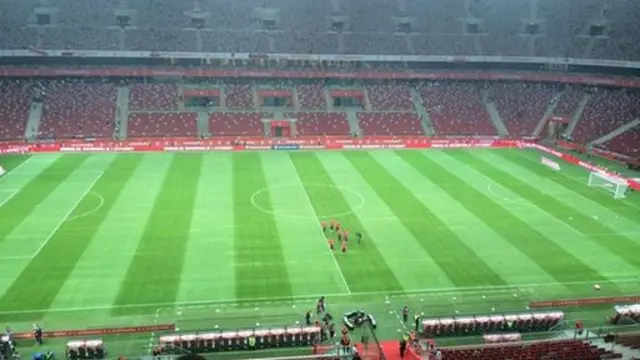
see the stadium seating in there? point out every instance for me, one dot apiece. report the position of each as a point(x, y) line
point(236, 123)
point(239, 96)
point(631, 340)
point(568, 102)
point(548, 350)
point(456, 109)
point(390, 97)
point(481, 324)
point(15, 100)
point(311, 96)
point(75, 109)
point(521, 105)
point(153, 97)
point(302, 27)
point(607, 110)
point(626, 143)
point(321, 123)
point(387, 124)
point(162, 124)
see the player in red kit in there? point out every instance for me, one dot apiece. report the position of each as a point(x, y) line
point(339, 235)
point(332, 244)
point(345, 235)
point(344, 247)
point(324, 226)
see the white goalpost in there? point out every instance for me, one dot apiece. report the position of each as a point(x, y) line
point(614, 185)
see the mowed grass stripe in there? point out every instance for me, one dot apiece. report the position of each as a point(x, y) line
point(154, 274)
point(10, 162)
point(543, 251)
point(446, 249)
point(360, 262)
point(13, 212)
point(622, 246)
point(628, 210)
point(483, 240)
point(40, 282)
point(260, 269)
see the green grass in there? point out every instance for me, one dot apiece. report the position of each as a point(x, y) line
point(131, 239)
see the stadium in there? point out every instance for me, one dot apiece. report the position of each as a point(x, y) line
point(344, 179)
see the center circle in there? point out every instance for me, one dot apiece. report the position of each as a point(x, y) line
point(294, 214)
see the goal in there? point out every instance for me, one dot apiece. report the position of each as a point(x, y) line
point(611, 184)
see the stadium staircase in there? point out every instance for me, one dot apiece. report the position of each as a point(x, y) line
point(294, 99)
point(553, 103)
point(494, 115)
point(122, 112)
point(577, 114)
point(624, 128)
point(203, 122)
point(33, 123)
point(327, 98)
point(367, 103)
point(425, 119)
point(354, 125)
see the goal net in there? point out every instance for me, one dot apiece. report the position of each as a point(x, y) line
point(614, 185)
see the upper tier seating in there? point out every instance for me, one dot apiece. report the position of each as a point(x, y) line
point(319, 123)
point(607, 110)
point(456, 109)
point(14, 109)
point(231, 26)
point(162, 124)
point(387, 124)
point(153, 97)
point(547, 350)
point(236, 123)
point(238, 96)
point(521, 105)
point(390, 97)
point(311, 96)
point(627, 143)
point(78, 109)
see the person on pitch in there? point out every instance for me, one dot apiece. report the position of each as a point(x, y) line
point(324, 226)
point(359, 237)
point(405, 313)
point(343, 246)
point(340, 235)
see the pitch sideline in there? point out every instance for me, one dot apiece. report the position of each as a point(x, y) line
point(470, 290)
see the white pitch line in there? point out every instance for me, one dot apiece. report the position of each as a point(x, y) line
point(64, 219)
point(333, 256)
point(13, 171)
point(13, 193)
point(470, 290)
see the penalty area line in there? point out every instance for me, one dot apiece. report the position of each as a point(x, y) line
point(460, 291)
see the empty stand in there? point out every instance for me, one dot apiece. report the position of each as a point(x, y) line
point(568, 102)
point(390, 97)
point(238, 96)
point(386, 124)
point(548, 350)
point(162, 124)
point(456, 109)
point(14, 109)
point(521, 105)
point(322, 123)
point(153, 97)
point(607, 110)
point(311, 96)
point(627, 143)
point(236, 123)
point(73, 109)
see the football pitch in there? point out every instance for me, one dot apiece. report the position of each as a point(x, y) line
point(233, 239)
